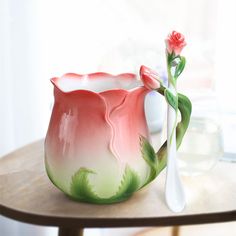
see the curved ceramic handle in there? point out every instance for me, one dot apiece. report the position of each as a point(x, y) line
point(158, 160)
point(151, 81)
point(185, 108)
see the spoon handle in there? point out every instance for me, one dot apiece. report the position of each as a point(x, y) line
point(174, 192)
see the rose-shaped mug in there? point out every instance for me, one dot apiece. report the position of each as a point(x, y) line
point(97, 148)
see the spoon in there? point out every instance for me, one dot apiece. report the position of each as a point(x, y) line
point(174, 192)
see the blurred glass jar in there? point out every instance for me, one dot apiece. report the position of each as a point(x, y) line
point(203, 144)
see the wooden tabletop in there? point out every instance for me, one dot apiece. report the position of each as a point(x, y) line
point(27, 195)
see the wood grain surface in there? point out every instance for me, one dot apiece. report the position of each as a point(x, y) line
point(27, 195)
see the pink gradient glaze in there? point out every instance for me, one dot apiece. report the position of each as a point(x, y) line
point(113, 118)
point(96, 130)
point(149, 78)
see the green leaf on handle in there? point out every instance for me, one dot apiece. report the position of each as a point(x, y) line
point(180, 67)
point(185, 108)
point(171, 99)
point(149, 155)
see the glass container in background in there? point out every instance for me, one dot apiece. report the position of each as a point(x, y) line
point(203, 143)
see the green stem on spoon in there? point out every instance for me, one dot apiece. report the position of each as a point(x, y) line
point(185, 108)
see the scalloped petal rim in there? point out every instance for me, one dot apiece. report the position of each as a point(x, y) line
point(78, 82)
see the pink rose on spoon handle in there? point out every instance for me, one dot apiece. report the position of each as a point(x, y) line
point(97, 146)
point(175, 42)
point(175, 197)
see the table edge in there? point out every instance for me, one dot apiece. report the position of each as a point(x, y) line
point(74, 222)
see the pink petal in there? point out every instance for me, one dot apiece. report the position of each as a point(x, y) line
point(98, 131)
point(149, 78)
point(86, 125)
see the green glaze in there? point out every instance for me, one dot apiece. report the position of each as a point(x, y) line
point(50, 176)
point(82, 190)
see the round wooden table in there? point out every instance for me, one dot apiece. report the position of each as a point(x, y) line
point(27, 195)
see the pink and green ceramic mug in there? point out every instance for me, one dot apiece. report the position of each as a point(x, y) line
point(97, 147)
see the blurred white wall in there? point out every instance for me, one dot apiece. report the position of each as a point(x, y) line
point(42, 39)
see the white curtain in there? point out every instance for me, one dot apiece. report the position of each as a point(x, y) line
point(23, 99)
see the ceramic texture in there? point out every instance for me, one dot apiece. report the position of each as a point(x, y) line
point(94, 140)
point(97, 146)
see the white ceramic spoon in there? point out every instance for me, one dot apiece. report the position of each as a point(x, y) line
point(174, 192)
